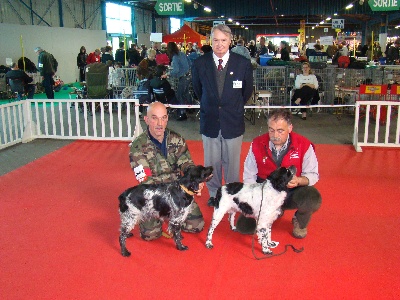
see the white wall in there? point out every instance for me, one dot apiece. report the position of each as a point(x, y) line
point(63, 43)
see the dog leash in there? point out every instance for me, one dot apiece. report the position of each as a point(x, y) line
point(252, 241)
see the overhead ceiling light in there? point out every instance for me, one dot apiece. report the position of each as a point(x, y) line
point(207, 9)
point(230, 20)
point(328, 19)
point(237, 23)
point(246, 27)
point(349, 6)
point(222, 16)
point(322, 22)
point(335, 14)
point(188, 1)
point(312, 28)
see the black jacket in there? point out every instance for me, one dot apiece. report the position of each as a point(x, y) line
point(120, 56)
point(81, 60)
point(18, 74)
point(225, 113)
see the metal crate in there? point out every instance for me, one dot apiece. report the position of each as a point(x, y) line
point(390, 74)
point(272, 79)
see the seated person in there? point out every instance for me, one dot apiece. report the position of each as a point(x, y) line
point(149, 62)
point(19, 82)
point(306, 89)
point(161, 155)
point(159, 81)
point(283, 147)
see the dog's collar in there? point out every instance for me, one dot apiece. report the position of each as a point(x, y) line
point(185, 189)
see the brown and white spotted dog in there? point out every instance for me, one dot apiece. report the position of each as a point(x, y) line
point(246, 198)
point(163, 201)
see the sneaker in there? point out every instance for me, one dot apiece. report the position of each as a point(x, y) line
point(299, 233)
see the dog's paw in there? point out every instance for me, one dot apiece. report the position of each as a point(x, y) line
point(182, 247)
point(130, 234)
point(209, 245)
point(233, 228)
point(125, 253)
point(273, 244)
point(267, 251)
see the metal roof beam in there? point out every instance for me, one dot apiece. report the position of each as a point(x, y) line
point(32, 11)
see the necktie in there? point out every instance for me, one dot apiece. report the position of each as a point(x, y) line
point(220, 64)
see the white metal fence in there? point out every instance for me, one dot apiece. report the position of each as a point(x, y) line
point(94, 119)
point(12, 124)
point(379, 117)
point(118, 119)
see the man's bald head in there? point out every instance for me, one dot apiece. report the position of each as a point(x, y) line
point(156, 120)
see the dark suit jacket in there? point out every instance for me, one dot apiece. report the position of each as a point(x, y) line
point(225, 113)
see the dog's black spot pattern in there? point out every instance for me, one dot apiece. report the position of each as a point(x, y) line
point(122, 200)
point(244, 207)
point(217, 198)
point(139, 202)
point(234, 187)
point(161, 206)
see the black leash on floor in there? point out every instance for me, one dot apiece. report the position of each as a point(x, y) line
point(254, 234)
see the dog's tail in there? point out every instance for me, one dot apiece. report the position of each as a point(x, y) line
point(214, 202)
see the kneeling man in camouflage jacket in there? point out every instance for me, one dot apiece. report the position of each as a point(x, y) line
point(160, 155)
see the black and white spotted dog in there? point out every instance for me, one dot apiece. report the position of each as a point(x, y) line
point(246, 198)
point(163, 201)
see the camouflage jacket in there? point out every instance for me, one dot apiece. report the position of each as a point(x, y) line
point(143, 153)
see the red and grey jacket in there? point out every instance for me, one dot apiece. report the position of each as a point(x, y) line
point(294, 156)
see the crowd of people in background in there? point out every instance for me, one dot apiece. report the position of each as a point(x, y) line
point(179, 57)
point(146, 59)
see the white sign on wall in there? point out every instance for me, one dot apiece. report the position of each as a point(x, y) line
point(156, 37)
point(326, 40)
point(338, 23)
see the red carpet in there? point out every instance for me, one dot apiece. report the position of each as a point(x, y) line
point(60, 225)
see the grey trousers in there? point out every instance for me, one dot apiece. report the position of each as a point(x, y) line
point(306, 199)
point(224, 156)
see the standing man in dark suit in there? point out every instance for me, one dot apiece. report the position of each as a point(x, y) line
point(223, 81)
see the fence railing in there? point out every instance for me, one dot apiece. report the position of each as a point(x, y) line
point(95, 119)
point(12, 124)
point(381, 118)
point(119, 119)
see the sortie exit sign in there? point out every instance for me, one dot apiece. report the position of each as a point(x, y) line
point(384, 5)
point(170, 7)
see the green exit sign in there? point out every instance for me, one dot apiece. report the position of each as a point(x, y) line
point(384, 5)
point(170, 7)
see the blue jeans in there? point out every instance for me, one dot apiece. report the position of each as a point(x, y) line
point(182, 93)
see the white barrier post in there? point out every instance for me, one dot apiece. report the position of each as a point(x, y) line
point(29, 126)
point(138, 126)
